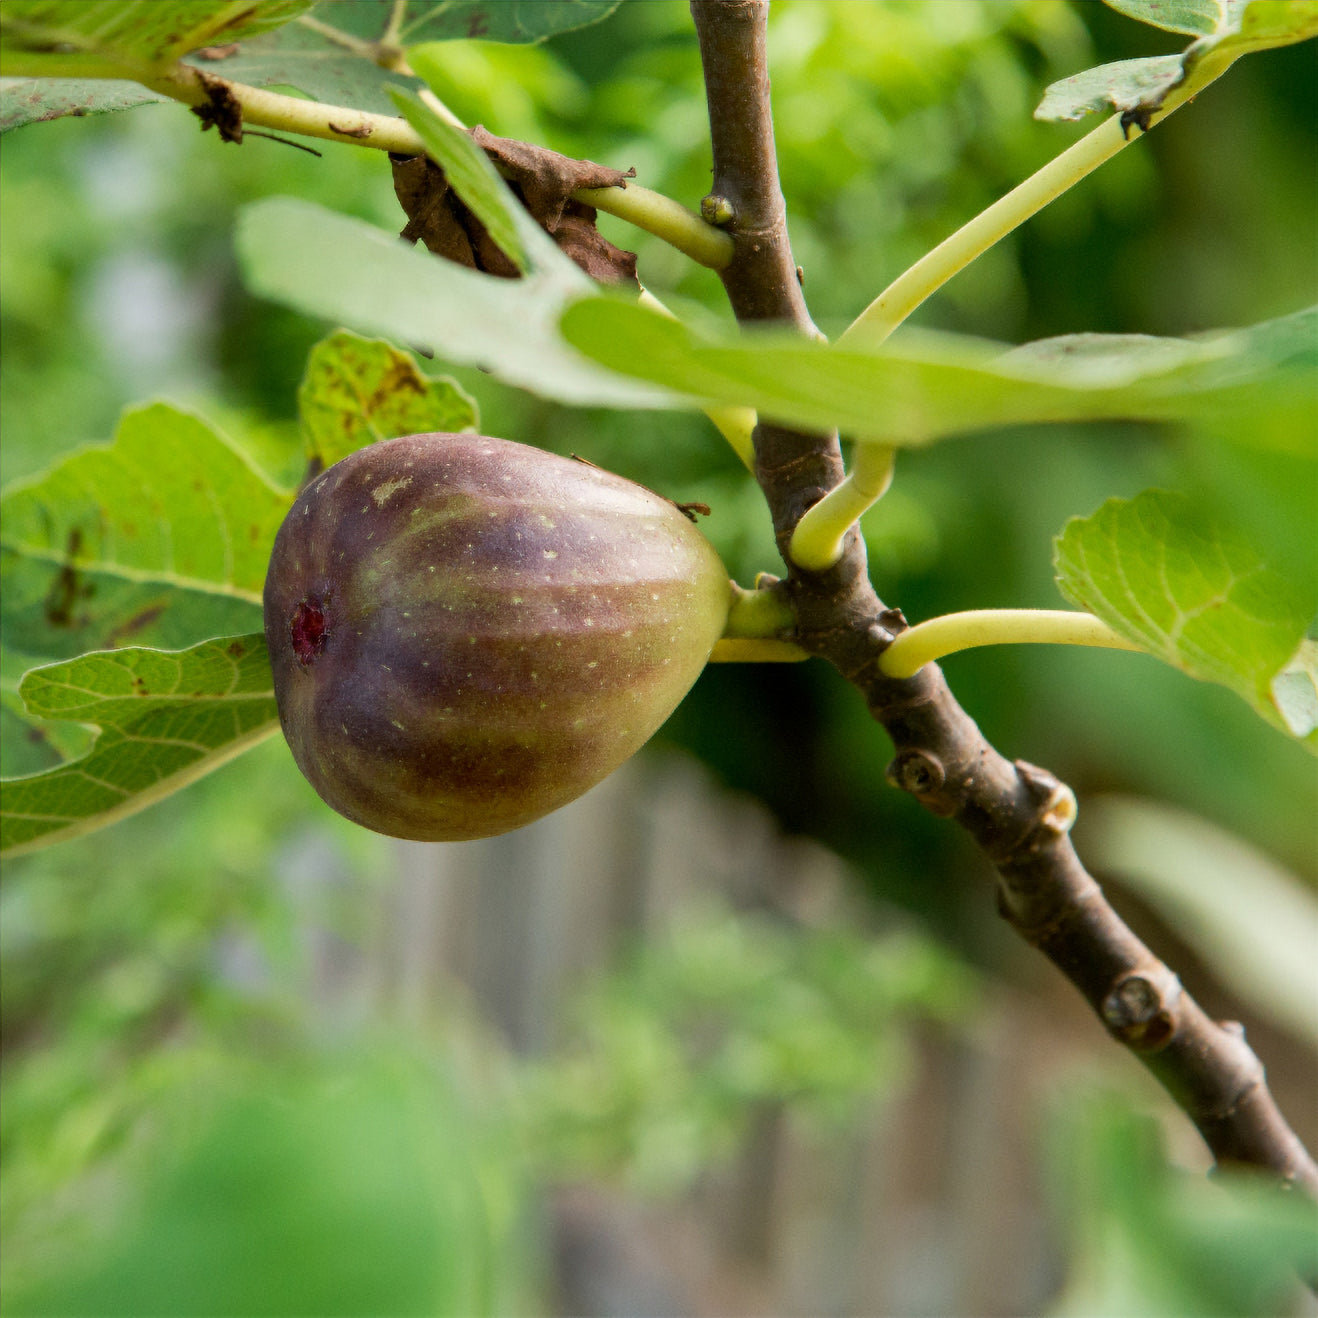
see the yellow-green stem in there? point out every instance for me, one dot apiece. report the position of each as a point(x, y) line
point(755, 650)
point(973, 239)
point(817, 541)
point(759, 613)
point(927, 641)
point(666, 219)
point(757, 627)
point(647, 210)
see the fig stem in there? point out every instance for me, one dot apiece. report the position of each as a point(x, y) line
point(756, 650)
point(930, 640)
point(1045, 185)
point(664, 218)
point(759, 614)
point(758, 628)
point(817, 540)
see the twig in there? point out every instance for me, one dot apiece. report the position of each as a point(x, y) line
point(667, 219)
point(1019, 815)
point(951, 632)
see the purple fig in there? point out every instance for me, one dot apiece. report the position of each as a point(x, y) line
point(467, 633)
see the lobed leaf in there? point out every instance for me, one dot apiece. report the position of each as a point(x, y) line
point(115, 39)
point(357, 391)
point(164, 536)
point(925, 387)
point(1226, 30)
point(508, 327)
point(165, 719)
point(1194, 594)
point(161, 537)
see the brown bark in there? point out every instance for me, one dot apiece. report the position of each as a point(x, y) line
point(1018, 815)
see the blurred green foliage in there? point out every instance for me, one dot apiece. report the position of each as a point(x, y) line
point(136, 974)
point(155, 976)
point(355, 1188)
point(676, 1051)
point(1150, 1241)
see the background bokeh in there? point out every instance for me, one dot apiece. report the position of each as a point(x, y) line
point(164, 970)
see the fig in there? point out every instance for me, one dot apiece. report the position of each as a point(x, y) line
point(467, 633)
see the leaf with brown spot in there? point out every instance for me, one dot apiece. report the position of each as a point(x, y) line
point(148, 537)
point(356, 391)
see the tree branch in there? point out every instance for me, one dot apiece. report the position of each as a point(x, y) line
point(1019, 815)
point(256, 106)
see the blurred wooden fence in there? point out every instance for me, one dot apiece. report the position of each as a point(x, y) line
point(930, 1206)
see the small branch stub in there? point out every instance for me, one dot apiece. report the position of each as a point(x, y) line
point(916, 771)
point(1058, 807)
point(1140, 1009)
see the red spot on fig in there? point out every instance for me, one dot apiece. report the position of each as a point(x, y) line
point(308, 628)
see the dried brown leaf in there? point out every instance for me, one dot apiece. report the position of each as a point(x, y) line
point(543, 181)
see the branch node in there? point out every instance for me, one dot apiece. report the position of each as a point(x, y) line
point(1058, 804)
point(718, 210)
point(921, 773)
point(893, 620)
point(1140, 1008)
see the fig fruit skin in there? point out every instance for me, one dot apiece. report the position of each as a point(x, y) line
point(467, 633)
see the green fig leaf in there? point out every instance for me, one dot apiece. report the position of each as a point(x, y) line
point(29, 744)
point(165, 719)
point(160, 538)
point(513, 21)
point(1194, 594)
point(1196, 18)
point(112, 39)
point(1226, 30)
point(924, 387)
point(345, 53)
point(506, 326)
point(33, 100)
point(356, 391)
point(1124, 85)
point(318, 58)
